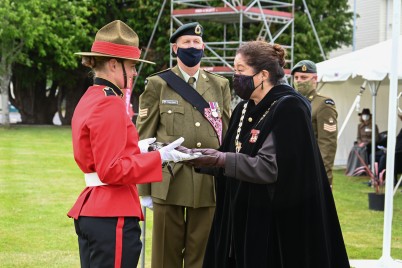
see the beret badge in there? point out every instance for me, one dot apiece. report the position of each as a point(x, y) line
point(198, 30)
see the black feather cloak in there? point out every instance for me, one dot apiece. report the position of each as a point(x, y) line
point(292, 223)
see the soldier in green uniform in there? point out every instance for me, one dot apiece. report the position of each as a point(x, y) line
point(184, 203)
point(324, 114)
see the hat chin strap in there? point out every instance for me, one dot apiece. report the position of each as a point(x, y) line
point(124, 73)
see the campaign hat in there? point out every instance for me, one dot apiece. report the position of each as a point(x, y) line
point(304, 66)
point(365, 111)
point(193, 28)
point(116, 40)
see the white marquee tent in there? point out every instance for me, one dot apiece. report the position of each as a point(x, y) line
point(342, 78)
point(372, 63)
point(368, 78)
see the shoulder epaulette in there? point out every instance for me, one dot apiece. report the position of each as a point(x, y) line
point(218, 75)
point(154, 74)
point(163, 71)
point(326, 99)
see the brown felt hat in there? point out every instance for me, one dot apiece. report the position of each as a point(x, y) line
point(116, 40)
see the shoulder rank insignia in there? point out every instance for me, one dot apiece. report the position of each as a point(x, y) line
point(143, 112)
point(330, 127)
point(109, 91)
point(329, 101)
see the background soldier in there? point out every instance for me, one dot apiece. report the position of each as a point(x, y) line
point(324, 114)
point(184, 205)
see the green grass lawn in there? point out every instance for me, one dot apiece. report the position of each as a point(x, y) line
point(39, 182)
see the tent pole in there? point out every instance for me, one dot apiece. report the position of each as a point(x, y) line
point(397, 185)
point(391, 139)
point(320, 87)
point(374, 89)
point(355, 104)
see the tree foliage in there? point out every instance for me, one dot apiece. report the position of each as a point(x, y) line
point(333, 22)
point(18, 31)
point(41, 35)
point(38, 40)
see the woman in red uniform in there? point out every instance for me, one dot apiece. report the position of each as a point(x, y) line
point(107, 150)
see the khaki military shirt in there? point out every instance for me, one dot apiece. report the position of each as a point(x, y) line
point(324, 120)
point(164, 114)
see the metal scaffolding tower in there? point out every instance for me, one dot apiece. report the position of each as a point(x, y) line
point(273, 18)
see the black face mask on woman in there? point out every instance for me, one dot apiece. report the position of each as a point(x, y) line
point(243, 85)
point(190, 56)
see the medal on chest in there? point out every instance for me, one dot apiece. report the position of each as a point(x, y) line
point(214, 109)
point(254, 135)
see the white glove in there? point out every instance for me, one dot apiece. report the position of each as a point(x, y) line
point(175, 156)
point(146, 201)
point(169, 154)
point(144, 144)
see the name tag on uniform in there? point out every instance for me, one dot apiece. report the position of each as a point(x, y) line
point(173, 102)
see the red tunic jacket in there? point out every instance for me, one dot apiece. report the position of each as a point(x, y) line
point(106, 141)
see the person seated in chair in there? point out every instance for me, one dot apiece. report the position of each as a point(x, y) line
point(398, 155)
point(359, 155)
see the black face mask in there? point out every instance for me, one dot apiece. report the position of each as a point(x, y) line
point(243, 85)
point(190, 56)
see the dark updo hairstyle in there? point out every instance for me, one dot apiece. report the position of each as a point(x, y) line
point(261, 55)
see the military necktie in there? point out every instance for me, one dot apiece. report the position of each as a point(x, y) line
point(191, 81)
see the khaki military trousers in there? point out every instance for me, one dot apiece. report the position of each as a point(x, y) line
point(180, 235)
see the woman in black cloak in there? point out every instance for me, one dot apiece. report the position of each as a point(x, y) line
point(274, 204)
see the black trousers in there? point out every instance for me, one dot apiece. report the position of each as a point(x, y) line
point(108, 242)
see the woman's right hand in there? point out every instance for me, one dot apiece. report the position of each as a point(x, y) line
point(210, 158)
point(184, 150)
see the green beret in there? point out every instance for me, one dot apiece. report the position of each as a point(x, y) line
point(193, 28)
point(304, 66)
